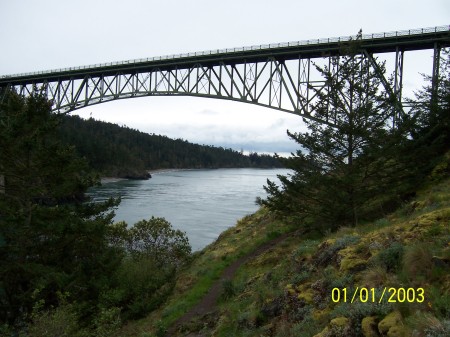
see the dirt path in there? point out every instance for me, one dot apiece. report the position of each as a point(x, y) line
point(209, 301)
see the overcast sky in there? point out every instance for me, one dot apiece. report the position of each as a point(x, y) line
point(47, 34)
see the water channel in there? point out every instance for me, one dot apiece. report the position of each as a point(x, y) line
point(202, 203)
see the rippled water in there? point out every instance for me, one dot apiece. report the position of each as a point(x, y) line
point(203, 203)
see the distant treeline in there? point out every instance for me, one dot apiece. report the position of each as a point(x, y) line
point(124, 152)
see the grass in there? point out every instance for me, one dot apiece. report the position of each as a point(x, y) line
point(262, 285)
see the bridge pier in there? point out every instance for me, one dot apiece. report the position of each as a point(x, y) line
point(435, 74)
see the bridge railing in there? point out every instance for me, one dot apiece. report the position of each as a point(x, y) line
point(240, 49)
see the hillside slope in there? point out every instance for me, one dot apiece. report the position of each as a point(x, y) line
point(387, 278)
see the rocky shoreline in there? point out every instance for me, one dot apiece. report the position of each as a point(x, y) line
point(133, 175)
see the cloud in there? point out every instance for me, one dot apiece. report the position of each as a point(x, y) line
point(208, 112)
point(248, 138)
point(204, 121)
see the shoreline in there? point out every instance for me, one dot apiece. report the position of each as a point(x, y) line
point(106, 180)
point(156, 171)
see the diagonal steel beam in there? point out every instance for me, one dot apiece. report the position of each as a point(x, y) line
point(392, 94)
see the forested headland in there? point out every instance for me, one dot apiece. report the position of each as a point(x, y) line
point(114, 150)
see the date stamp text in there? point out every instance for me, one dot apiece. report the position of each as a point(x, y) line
point(377, 295)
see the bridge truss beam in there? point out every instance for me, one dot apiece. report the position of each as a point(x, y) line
point(282, 78)
point(281, 85)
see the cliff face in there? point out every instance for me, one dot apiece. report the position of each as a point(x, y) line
point(387, 278)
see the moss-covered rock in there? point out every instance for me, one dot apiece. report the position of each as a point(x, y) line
point(307, 295)
point(337, 325)
point(290, 290)
point(398, 331)
point(352, 264)
point(319, 314)
point(391, 322)
point(369, 327)
point(324, 333)
point(339, 322)
point(350, 261)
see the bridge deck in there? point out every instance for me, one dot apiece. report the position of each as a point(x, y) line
point(417, 39)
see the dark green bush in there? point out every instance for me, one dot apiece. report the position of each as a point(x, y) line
point(391, 257)
point(154, 251)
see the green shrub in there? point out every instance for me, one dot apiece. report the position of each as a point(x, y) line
point(139, 287)
point(300, 277)
point(157, 239)
point(161, 329)
point(59, 322)
point(382, 222)
point(439, 301)
point(107, 322)
point(228, 289)
point(356, 311)
point(273, 234)
point(391, 257)
point(434, 231)
point(306, 328)
point(146, 276)
point(343, 281)
point(306, 247)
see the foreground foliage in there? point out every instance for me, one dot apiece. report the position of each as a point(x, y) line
point(67, 269)
point(154, 254)
point(49, 240)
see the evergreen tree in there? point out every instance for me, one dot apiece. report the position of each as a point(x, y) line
point(49, 240)
point(339, 170)
point(430, 115)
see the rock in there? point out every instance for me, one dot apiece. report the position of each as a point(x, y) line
point(440, 262)
point(369, 327)
point(139, 176)
point(135, 175)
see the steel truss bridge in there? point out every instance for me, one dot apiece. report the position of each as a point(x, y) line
point(279, 76)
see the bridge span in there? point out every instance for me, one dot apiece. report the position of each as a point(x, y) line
point(279, 76)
